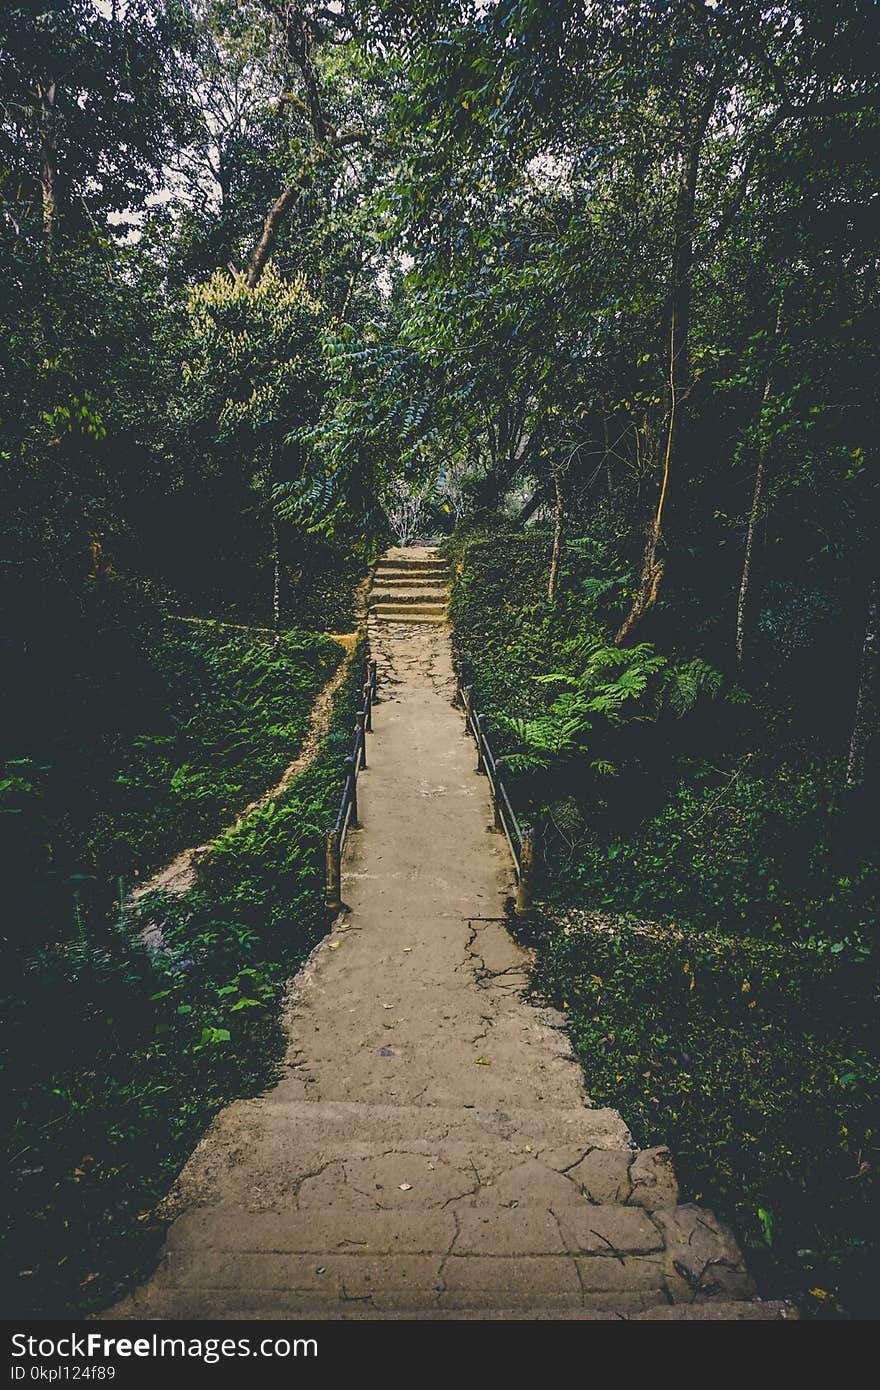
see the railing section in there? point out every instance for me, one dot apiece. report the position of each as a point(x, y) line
point(521, 838)
point(348, 807)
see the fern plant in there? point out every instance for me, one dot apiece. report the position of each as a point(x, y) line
point(615, 685)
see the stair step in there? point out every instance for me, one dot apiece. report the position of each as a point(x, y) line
point(408, 562)
point(403, 586)
point(405, 594)
point(279, 1305)
point(414, 613)
point(415, 596)
point(544, 1127)
point(427, 605)
point(402, 617)
point(485, 1231)
point(412, 576)
point(544, 1157)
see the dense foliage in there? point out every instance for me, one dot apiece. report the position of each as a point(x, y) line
point(284, 280)
point(123, 1052)
point(167, 731)
point(708, 917)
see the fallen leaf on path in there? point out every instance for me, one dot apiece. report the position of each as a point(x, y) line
point(335, 945)
point(482, 1062)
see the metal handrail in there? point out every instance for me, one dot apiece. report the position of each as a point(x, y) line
point(521, 840)
point(347, 816)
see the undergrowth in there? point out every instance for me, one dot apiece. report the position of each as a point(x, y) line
point(123, 1053)
point(167, 731)
point(708, 904)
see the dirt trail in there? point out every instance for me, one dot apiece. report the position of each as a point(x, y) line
point(429, 1150)
point(179, 876)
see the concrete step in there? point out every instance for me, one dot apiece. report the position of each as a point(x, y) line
point(409, 1158)
point(412, 613)
point(417, 598)
point(484, 1230)
point(429, 587)
point(433, 575)
point(405, 586)
point(414, 586)
point(283, 1305)
point(531, 1132)
point(401, 616)
point(602, 1261)
point(408, 566)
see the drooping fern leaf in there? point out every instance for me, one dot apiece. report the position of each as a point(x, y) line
point(686, 682)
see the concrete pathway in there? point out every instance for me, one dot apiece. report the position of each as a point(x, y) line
point(429, 1151)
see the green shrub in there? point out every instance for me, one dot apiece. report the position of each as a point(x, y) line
point(212, 716)
point(123, 1054)
point(742, 1032)
point(756, 1062)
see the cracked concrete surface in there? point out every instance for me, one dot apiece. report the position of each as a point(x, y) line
point(429, 1150)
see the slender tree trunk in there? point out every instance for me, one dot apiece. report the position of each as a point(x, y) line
point(746, 577)
point(557, 537)
point(49, 164)
point(266, 242)
point(298, 41)
point(676, 331)
point(865, 720)
point(755, 512)
point(276, 581)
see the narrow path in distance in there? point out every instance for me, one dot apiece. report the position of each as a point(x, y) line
point(180, 875)
point(429, 1150)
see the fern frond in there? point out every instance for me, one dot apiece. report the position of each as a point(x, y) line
point(686, 682)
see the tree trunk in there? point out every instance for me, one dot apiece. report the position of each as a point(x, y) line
point(865, 720)
point(557, 538)
point(266, 243)
point(298, 38)
point(755, 512)
point(48, 164)
point(676, 330)
point(276, 581)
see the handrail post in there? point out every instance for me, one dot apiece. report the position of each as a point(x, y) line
point(526, 874)
point(466, 692)
point(362, 735)
point(333, 895)
point(496, 796)
point(368, 707)
point(351, 777)
point(480, 722)
point(374, 680)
